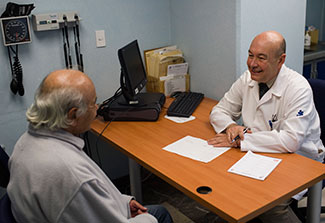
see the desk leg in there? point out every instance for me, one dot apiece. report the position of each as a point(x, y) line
point(135, 180)
point(314, 203)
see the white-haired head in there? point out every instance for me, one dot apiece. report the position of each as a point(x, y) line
point(57, 94)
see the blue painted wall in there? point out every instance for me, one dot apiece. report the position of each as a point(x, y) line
point(123, 21)
point(257, 16)
point(206, 32)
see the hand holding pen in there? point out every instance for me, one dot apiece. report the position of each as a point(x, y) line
point(238, 136)
point(230, 137)
point(235, 132)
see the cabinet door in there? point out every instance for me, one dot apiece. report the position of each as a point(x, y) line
point(321, 70)
point(306, 71)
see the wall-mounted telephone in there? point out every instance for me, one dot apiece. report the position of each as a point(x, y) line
point(16, 30)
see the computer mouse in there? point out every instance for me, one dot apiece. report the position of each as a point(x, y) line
point(175, 94)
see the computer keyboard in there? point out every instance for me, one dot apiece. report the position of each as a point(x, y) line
point(185, 104)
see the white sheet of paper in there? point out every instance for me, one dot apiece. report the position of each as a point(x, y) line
point(255, 166)
point(174, 83)
point(180, 119)
point(196, 149)
point(177, 69)
point(165, 49)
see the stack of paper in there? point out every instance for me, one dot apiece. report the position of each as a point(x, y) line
point(255, 166)
point(166, 70)
point(176, 78)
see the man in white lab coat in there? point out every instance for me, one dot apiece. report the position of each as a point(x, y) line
point(276, 106)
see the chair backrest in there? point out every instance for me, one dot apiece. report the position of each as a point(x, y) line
point(4, 171)
point(5, 210)
point(5, 204)
point(318, 87)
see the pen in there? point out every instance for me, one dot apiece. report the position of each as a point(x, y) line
point(238, 137)
point(271, 125)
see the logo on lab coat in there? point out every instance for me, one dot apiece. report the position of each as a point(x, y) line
point(300, 113)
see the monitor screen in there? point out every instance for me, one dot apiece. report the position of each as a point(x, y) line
point(133, 75)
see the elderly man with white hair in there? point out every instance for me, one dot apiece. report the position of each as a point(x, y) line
point(52, 179)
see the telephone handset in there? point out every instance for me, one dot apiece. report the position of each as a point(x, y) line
point(15, 30)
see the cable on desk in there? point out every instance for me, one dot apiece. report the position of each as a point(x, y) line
point(87, 148)
point(101, 133)
point(146, 177)
point(96, 143)
point(105, 105)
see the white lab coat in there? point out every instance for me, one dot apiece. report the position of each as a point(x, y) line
point(284, 120)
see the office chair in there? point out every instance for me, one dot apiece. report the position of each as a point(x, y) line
point(318, 87)
point(5, 204)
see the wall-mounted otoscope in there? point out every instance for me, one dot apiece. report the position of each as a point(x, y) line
point(63, 21)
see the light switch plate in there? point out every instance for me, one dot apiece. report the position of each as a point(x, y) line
point(100, 38)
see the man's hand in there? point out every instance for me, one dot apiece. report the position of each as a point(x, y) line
point(221, 140)
point(225, 139)
point(234, 130)
point(136, 208)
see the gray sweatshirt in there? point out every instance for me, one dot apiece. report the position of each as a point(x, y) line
point(53, 180)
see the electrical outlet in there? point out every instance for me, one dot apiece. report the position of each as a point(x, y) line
point(100, 38)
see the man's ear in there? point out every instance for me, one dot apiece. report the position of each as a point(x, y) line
point(282, 59)
point(72, 115)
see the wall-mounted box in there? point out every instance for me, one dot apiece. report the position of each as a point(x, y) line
point(52, 21)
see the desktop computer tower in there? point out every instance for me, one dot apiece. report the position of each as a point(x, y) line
point(148, 109)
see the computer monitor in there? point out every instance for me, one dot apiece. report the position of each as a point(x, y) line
point(133, 75)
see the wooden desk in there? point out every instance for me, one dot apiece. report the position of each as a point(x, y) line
point(233, 197)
